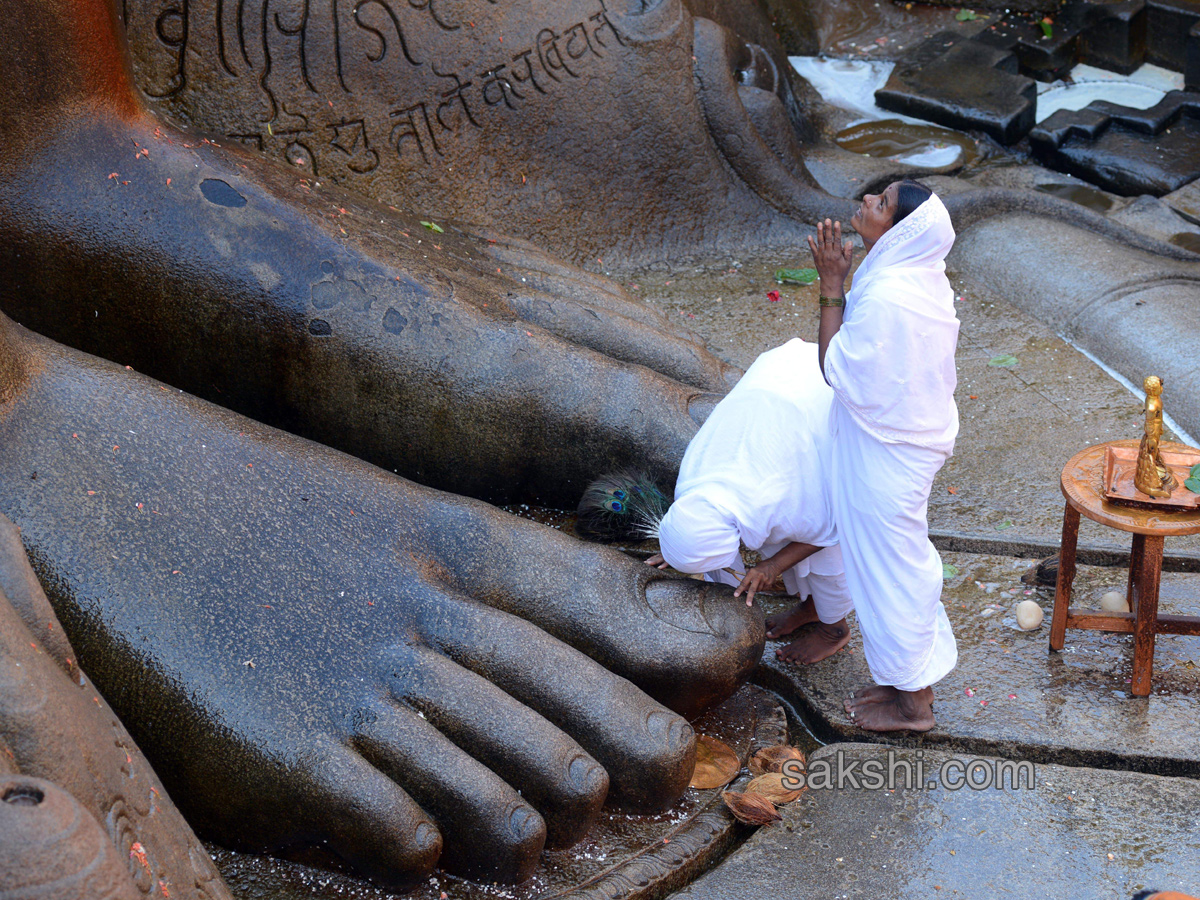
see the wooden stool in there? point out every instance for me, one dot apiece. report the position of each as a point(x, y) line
point(1082, 485)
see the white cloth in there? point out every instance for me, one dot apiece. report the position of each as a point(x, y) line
point(893, 422)
point(880, 495)
point(757, 473)
point(892, 362)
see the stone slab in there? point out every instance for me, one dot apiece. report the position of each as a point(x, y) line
point(1010, 696)
point(1114, 32)
point(962, 84)
point(1078, 834)
point(1045, 58)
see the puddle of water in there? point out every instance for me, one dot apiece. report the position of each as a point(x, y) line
point(918, 145)
point(1140, 90)
point(1081, 194)
point(1188, 240)
point(849, 83)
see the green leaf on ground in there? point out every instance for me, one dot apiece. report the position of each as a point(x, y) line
point(434, 227)
point(949, 571)
point(1007, 523)
point(965, 15)
point(1193, 480)
point(1003, 362)
point(795, 276)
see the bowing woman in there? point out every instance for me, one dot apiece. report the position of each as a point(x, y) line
point(756, 474)
point(887, 350)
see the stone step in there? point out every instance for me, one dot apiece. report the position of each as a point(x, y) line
point(1040, 56)
point(1112, 32)
point(1109, 35)
point(1170, 31)
point(1009, 695)
point(1126, 151)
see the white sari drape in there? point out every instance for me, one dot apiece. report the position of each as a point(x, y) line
point(757, 473)
point(894, 421)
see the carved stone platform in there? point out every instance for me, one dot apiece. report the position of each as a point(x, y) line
point(625, 857)
point(1126, 151)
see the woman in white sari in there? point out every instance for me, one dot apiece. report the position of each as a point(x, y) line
point(757, 474)
point(887, 350)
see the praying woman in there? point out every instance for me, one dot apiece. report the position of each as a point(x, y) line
point(756, 474)
point(887, 350)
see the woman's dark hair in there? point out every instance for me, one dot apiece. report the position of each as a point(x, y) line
point(909, 195)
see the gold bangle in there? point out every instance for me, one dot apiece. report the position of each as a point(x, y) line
point(832, 301)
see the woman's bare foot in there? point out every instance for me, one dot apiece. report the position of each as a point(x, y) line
point(803, 613)
point(816, 644)
point(875, 693)
point(874, 710)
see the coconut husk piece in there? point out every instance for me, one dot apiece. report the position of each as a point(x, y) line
point(1044, 573)
point(716, 763)
point(770, 787)
point(751, 809)
point(772, 759)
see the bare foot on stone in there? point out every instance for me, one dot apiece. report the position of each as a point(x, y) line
point(875, 693)
point(816, 644)
point(783, 624)
point(885, 708)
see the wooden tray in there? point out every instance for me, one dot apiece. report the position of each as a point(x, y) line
point(1120, 467)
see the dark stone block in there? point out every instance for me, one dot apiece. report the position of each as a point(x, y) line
point(962, 84)
point(1038, 56)
point(1113, 32)
point(1168, 23)
point(1191, 74)
point(1125, 151)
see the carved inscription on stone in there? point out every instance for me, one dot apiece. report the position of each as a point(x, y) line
point(347, 88)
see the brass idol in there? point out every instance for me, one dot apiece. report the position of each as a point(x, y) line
point(1153, 478)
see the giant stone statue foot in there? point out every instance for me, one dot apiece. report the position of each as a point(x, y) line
point(315, 652)
point(82, 814)
point(454, 356)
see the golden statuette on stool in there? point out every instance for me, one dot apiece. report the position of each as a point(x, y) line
point(1152, 476)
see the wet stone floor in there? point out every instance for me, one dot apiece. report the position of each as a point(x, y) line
point(1010, 696)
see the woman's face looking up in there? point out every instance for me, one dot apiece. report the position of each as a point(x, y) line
point(875, 215)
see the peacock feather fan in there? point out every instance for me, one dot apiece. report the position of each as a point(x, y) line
point(625, 506)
